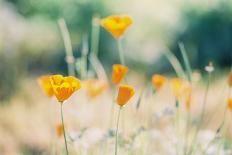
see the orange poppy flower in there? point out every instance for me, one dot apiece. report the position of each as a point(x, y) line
point(229, 102)
point(95, 87)
point(64, 87)
point(158, 81)
point(230, 79)
point(116, 25)
point(59, 130)
point(118, 73)
point(125, 93)
point(45, 84)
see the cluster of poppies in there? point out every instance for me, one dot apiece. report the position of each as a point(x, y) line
point(62, 87)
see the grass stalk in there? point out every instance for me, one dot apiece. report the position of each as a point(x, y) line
point(116, 136)
point(62, 119)
point(186, 132)
point(175, 63)
point(95, 35)
point(121, 52)
point(186, 61)
point(202, 114)
point(94, 61)
point(68, 46)
point(177, 107)
point(84, 57)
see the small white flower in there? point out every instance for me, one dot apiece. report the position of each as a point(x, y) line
point(209, 68)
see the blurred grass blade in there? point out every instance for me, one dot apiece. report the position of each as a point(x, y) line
point(139, 100)
point(175, 63)
point(186, 61)
point(68, 46)
point(95, 35)
point(93, 58)
point(121, 52)
point(78, 64)
point(84, 57)
point(98, 67)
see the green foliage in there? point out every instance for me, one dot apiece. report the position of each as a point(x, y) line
point(42, 49)
point(207, 35)
point(10, 77)
point(77, 13)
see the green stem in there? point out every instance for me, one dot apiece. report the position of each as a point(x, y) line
point(62, 119)
point(95, 35)
point(84, 57)
point(98, 67)
point(121, 53)
point(116, 138)
point(111, 115)
point(218, 131)
point(202, 113)
point(68, 46)
point(186, 132)
point(174, 63)
point(186, 61)
point(177, 123)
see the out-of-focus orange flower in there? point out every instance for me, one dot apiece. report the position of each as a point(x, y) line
point(188, 101)
point(95, 87)
point(229, 102)
point(125, 93)
point(230, 79)
point(158, 81)
point(59, 130)
point(45, 84)
point(180, 87)
point(118, 73)
point(116, 25)
point(64, 87)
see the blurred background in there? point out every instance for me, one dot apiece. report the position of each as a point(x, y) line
point(31, 43)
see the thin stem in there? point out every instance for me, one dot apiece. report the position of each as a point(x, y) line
point(111, 115)
point(95, 35)
point(218, 131)
point(177, 122)
point(202, 113)
point(98, 67)
point(121, 52)
point(62, 119)
point(174, 63)
point(116, 138)
point(186, 61)
point(68, 46)
point(84, 57)
point(186, 132)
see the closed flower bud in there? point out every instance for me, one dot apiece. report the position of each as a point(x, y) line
point(125, 93)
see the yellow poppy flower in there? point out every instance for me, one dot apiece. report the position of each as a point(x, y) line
point(94, 87)
point(118, 73)
point(64, 87)
point(125, 93)
point(116, 25)
point(180, 87)
point(45, 84)
point(176, 84)
point(158, 81)
point(229, 102)
point(59, 130)
point(230, 79)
